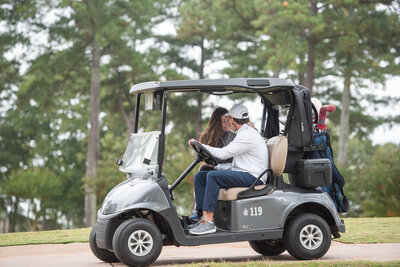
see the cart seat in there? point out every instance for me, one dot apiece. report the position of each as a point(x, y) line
point(277, 152)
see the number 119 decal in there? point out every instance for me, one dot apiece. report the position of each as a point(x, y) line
point(254, 211)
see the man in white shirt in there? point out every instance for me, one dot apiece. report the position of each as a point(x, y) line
point(250, 159)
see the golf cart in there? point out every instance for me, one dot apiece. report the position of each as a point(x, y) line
point(138, 216)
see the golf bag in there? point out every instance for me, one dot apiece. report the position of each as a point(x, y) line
point(335, 190)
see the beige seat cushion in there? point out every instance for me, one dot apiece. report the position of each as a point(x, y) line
point(277, 153)
point(232, 193)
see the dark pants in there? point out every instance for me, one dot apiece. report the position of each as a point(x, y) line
point(208, 183)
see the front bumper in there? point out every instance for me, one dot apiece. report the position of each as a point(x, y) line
point(105, 230)
point(342, 227)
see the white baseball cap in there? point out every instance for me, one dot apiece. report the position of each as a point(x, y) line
point(238, 111)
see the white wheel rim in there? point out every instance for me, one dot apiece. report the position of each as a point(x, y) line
point(140, 243)
point(311, 237)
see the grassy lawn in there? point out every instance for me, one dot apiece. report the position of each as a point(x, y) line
point(297, 264)
point(358, 230)
point(371, 230)
point(45, 237)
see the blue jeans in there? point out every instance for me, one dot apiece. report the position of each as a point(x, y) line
point(208, 183)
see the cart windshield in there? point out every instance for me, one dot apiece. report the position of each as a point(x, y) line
point(141, 153)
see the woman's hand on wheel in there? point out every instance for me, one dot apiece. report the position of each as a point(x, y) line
point(190, 142)
point(207, 165)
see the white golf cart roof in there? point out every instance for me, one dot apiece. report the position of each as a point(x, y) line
point(261, 85)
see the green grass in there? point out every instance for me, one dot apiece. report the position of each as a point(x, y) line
point(371, 230)
point(45, 237)
point(358, 230)
point(296, 264)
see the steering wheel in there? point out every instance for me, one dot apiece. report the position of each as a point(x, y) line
point(203, 153)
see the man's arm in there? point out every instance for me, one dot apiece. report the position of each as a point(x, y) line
point(238, 146)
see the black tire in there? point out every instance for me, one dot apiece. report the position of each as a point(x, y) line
point(137, 230)
point(307, 237)
point(102, 254)
point(268, 247)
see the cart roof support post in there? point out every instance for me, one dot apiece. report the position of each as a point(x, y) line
point(161, 141)
point(137, 110)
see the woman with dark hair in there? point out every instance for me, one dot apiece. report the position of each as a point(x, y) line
point(216, 134)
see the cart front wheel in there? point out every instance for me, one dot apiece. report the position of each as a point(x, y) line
point(102, 254)
point(137, 242)
point(268, 247)
point(307, 237)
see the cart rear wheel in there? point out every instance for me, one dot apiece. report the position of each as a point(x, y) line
point(268, 247)
point(102, 254)
point(137, 242)
point(307, 237)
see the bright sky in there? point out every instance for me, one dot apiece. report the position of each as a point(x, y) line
point(385, 133)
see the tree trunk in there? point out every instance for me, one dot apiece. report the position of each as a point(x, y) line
point(93, 144)
point(14, 213)
point(301, 72)
point(311, 44)
point(199, 98)
point(43, 211)
point(198, 121)
point(6, 222)
point(8, 216)
point(31, 222)
point(128, 118)
point(309, 82)
point(344, 119)
point(36, 215)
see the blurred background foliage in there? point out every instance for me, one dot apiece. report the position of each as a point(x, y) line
point(343, 51)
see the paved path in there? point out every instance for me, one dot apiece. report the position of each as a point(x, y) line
point(79, 254)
